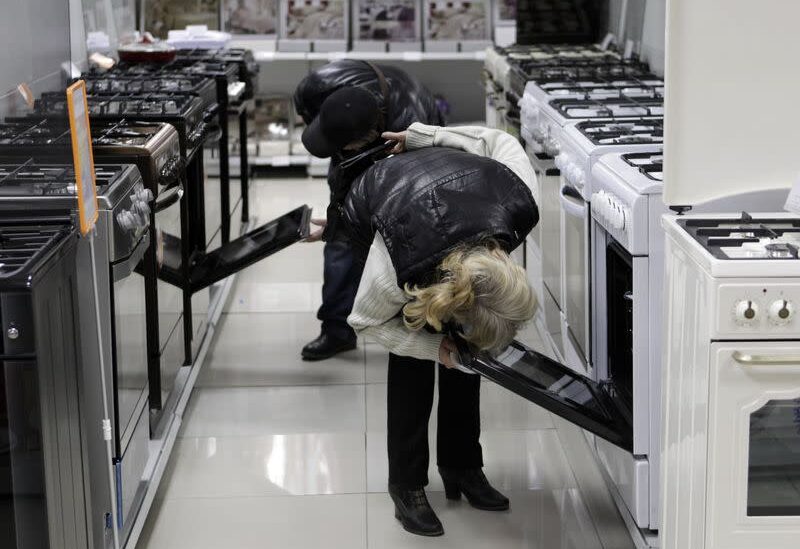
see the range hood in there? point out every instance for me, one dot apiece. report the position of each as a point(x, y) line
point(732, 98)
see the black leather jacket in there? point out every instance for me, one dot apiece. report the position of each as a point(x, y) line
point(409, 102)
point(426, 202)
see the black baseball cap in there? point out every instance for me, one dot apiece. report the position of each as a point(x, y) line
point(347, 115)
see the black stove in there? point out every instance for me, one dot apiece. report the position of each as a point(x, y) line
point(746, 238)
point(152, 146)
point(623, 107)
point(636, 132)
point(243, 59)
point(34, 179)
point(609, 66)
point(24, 243)
point(651, 165)
point(105, 83)
point(185, 112)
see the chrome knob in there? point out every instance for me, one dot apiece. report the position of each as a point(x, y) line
point(145, 195)
point(13, 332)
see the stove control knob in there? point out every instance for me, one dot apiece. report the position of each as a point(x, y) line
point(781, 312)
point(746, 311)
point(145, 195)
point(126, 220)
point(142, 208)
point(561, 161)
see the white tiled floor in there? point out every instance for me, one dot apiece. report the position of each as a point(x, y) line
point(275, 452)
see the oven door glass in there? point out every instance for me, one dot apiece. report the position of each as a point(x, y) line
point(575, 221)
point(558, 389)
point(754, 451)
point(619, 295)
point(130, 345)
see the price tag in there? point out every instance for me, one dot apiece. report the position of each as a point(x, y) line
point(793, 200)
point(26, 93)
point(78, 109)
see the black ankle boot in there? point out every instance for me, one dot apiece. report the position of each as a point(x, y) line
point(411, 507)
point(473, 484)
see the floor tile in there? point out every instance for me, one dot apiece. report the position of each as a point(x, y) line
point(254, 411)
point(540, 519)
point(306, 522)
point(264, 349)
point(273, 465)
point(377, 360)
point(513, 460)
point(500, 409)
point(271, 197)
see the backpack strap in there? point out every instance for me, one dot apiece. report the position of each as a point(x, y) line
point(384, 87)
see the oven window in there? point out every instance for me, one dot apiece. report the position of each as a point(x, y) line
point(130, 335)
point(619, 293)
point(773, 473)
point(576, 279)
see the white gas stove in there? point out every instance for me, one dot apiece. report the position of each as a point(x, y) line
point(731, 441)
point(538, 94)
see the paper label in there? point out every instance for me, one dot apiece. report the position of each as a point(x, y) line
point(793, 200)
point(26, 93)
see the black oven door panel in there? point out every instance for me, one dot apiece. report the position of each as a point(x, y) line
point(558, 389)
point(211, 267)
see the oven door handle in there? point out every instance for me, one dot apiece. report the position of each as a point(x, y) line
point(746, 359)
point(125, 268)
point(168, 198)
point(571, 205)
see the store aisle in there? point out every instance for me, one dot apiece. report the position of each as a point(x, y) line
point(277, 452)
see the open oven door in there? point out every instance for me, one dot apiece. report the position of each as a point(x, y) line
point(556, 388)
point(209, 268)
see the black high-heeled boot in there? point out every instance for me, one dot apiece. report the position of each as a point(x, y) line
point(474, 485)
point(411, 507)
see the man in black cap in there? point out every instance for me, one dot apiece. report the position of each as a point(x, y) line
point(347, 105)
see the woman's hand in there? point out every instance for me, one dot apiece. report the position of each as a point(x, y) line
point(399, 137)
point(316, 236)
point(447, 347)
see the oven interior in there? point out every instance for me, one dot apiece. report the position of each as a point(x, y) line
point(619, 294)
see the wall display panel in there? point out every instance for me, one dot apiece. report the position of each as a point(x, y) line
point(250, 17)
point(315, 20)
point(387, 20)
point(505, 12)
point(457, 21)
point(162, 16)
point(565, 21)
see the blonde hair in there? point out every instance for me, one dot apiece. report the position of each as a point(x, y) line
point(482, 290)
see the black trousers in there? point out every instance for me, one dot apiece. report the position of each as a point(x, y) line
point(341, 276)
point(410, 399)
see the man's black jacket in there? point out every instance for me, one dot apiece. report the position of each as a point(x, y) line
point(409, 102)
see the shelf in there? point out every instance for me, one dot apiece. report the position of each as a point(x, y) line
point(413, 56)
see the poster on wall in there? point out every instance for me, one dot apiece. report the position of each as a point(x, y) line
point(250, 17)
point(457, 21)
point(315, 20)
point(387, 20)
point(162, 16)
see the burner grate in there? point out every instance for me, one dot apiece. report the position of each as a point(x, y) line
point(22, 245)
point(747, 237)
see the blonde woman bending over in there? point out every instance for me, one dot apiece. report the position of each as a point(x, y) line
point(435, 226)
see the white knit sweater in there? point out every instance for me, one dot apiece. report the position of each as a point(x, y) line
point(379, 299)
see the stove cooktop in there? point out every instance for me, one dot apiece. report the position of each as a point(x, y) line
point(24, 243)
point(156, 105)
point(746, 238)
point(610, 67)
point(136, 84)
point(651, 165)
point(48, 131)
point(636, 132)
point(30, 178)
point(609, 108)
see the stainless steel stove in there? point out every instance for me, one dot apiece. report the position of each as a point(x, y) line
point(47, 190)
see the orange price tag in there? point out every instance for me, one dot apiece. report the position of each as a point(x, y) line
point(82, 155)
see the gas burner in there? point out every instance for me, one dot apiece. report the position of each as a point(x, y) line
point(634, 132)
point(746, 238)
point(625, 107)
point(114, 84)
point(570, 70)
point(121, 105)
